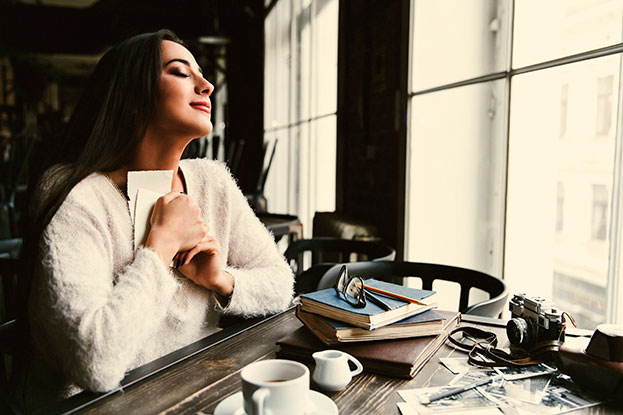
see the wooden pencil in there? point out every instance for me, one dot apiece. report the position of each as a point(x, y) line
point(393, 295)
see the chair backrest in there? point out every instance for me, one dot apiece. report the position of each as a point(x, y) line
point(10, 248)
point(327, 250)
point(396, 271)
point(10, 269)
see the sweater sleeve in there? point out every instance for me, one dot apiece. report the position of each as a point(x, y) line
point(93, 318)
point(263, 281)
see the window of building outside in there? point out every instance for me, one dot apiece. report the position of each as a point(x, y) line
point(514, 159)
point(564, 92)
point(599, 228)
point(560, 206)
point(300, 104)
point(604, 104)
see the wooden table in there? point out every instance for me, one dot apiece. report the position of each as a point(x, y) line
point(193, 380)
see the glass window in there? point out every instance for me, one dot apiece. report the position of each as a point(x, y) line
point(472, 35)
point(604, 104)
point(300, 106)
point(514, 165)
point(599, 226)
point(539, 165)
point(560, 206)
point(457, 178)
point(564, 95)
point(547, 30)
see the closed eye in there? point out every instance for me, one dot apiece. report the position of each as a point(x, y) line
point(181, 74)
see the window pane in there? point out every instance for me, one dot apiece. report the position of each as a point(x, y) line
point(560, 187)
point(455, 40)
point(546, 30)
point(303, 68)
point(456, 178)
point(324, 163)
point(325, 57)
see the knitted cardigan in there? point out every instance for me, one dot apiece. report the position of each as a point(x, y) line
point(98, 308)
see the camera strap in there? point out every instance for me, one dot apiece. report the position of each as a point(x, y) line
point(481, 347)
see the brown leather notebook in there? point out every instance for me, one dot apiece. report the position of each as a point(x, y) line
point(401, 358)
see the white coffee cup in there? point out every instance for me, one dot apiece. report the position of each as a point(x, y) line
point(276, 387)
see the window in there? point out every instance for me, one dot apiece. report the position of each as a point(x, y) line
point(560, 203)
point(599, 224)
point(564, 92)
point(504, 172)
point(604, 104)
point(300, 104)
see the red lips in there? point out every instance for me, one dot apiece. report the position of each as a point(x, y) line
point(201, 106)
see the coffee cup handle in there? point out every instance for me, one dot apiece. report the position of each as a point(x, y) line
point(357, 363)
point(258, 398)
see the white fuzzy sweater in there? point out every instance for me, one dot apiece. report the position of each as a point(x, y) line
point(99, 309)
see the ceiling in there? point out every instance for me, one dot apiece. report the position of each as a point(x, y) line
point(88, 27)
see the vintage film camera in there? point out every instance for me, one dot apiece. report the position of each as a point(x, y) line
point(533, 321)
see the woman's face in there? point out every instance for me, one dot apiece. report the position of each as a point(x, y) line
point(183, 107)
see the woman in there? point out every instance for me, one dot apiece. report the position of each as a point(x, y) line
point(98, 307)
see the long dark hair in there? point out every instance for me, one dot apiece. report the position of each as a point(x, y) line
point(104, 131)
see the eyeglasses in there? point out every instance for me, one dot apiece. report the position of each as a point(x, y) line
point(354, 292)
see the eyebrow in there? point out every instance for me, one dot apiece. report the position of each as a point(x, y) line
point(185, 62)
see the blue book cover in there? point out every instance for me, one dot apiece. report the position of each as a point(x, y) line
point(329, 303)
point(330, 298)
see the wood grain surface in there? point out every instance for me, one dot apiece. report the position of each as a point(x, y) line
point(195, 385)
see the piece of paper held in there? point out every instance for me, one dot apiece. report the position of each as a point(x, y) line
point(158, 181)
point(145, 200)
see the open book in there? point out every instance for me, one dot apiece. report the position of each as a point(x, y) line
point(329, 303)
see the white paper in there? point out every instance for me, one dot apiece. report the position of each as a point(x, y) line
point(468, 400)
point(145, 200)
point(158, 181)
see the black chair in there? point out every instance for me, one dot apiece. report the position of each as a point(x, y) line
point(10, 248)
point(395, 271)
point(326, 250)
point(10, 269)
point(257, 200)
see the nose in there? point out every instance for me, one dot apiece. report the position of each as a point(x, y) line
point(204, 87)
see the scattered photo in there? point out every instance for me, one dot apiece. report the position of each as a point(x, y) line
point(564, 395)
point(510, 406)
point(406, 409)
point(472, 377)
point(459, 365)
point(456, 365)
point(511, 373)
point(530, 390)
point(470, 399)
point(561, 396)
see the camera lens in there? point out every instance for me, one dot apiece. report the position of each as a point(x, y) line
point(518, 331)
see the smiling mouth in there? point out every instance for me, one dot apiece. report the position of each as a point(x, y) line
point(201, 107)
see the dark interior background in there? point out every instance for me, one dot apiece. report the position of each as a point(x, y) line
point(372, 82)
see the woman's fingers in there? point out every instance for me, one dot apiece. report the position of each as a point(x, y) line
point(208, 245)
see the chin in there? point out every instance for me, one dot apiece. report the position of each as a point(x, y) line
point(202, 130)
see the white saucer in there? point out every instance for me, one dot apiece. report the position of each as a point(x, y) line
point(232, 405)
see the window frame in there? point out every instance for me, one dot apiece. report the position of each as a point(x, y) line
point(614, 285)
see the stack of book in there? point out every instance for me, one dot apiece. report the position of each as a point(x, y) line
point(395, 341)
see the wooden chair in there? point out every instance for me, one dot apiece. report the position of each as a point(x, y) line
point(327, 250)
point(395, 271)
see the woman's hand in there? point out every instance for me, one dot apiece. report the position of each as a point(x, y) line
point(202, 264)
point(176, 226)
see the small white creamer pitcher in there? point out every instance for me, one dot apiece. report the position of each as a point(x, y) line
point(332, 372)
